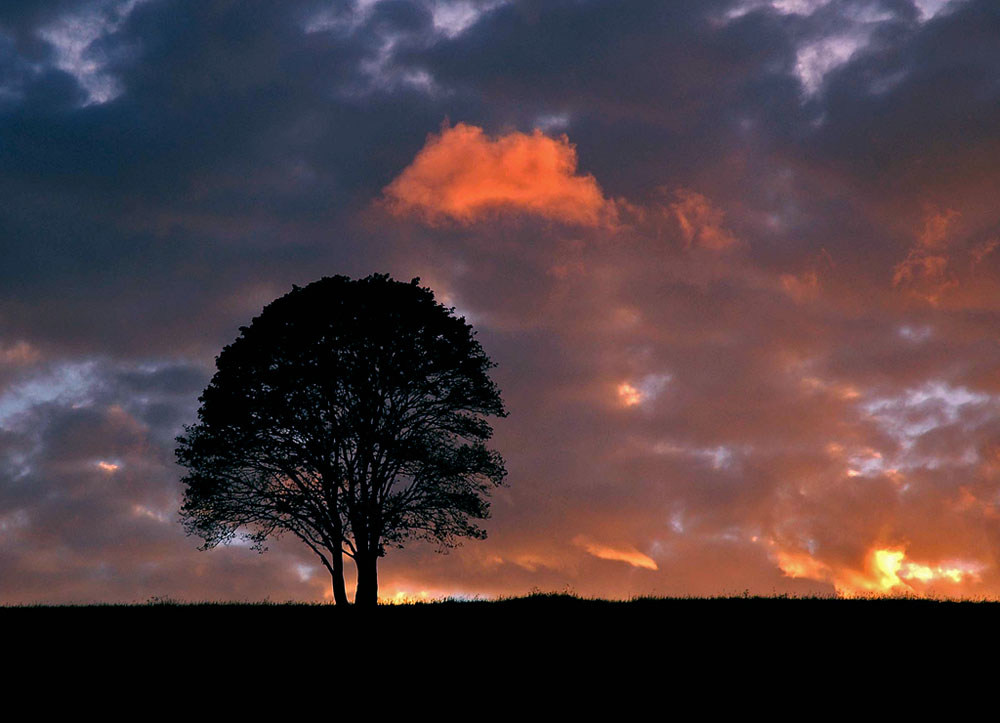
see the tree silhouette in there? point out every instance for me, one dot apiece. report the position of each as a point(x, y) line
point(352, 414)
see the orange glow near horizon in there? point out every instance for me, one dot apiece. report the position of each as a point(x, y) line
point(887, 571)
point(801, 565)
point(463, 175)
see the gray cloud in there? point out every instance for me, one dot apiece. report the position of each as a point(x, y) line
point(761, 410)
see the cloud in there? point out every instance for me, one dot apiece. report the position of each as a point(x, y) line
point(229, 150)
point(17, 354)
point(463, 175)
point(628, 555)
point(886, 571)
point(89, 494)
point(701, 223)
point(925, 269)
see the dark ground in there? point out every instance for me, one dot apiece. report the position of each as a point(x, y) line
point(555, 616)
point(748, 655)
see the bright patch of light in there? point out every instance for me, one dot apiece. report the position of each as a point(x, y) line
point(677, 522)
point(886, 565)
point(405, 597)
point(887, 571)
point(915, 333)
point(629, 395)
point(239, 540)
point(818, 55)
point(785, 7)
point(798, 7)
point(304, 572)
point(930, 8)
point(646, 389)
point(73, 38)
point(338, 19)
point(382, 74)
point(108, 467)
point(451, 301)
point(801, 565)
point(917, 411)
point(628, 555)
point(866, 462)
point(720, 457)
point(68, 383)
point(552, 122)
point(913, 413)
point(454, 18)
point(814, 60)
point(450, 19)
point(149, 513)
point(419, 79)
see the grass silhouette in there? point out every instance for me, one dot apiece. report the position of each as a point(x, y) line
point(550, 601)
point(697, 637)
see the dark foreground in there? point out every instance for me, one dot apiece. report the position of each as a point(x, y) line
point(735, 651)
point(538, 606)
point(538, 616)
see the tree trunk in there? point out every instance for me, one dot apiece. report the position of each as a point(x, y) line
point(339, 590)
point(367, 592)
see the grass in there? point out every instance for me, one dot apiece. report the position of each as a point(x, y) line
point(726, 635)
point(542, 602)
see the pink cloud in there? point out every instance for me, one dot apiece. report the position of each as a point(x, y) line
point(462, 175)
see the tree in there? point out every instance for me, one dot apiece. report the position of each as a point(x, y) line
point(352, 414)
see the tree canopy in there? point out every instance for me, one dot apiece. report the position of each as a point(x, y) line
point(352, 414)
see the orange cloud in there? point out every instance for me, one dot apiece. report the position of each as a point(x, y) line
point(981, 250)
point(802, 564)
point(629, 395)
point(936, 227)
point(887, 571)
point(801, 288)
point(17, 354)
point(700, 221)
point(925, 268)
point(462, 175)
point(628, 555)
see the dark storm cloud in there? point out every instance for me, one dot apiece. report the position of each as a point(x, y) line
point(640, 85)
point(233, 150)
point(912, 111)
point(89, 495)
point(773, 356)
point(148, 222)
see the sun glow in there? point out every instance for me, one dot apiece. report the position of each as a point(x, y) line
point(629, 395)
point(886, 571)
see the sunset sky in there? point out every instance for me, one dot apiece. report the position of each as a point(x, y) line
point(738, 262)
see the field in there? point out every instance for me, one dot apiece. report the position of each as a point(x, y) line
point(727, 651)
point(545, 615)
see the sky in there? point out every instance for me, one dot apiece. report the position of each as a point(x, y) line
point(737, 261)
